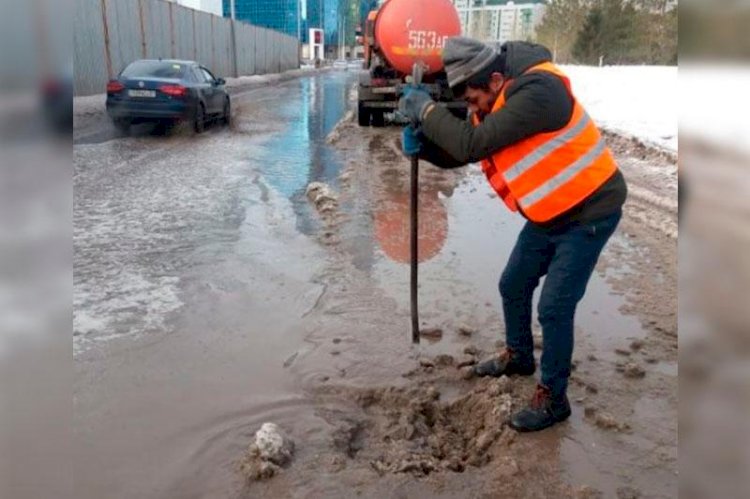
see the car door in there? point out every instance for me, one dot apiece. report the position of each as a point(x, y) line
point(204, 87)
point(216, 104)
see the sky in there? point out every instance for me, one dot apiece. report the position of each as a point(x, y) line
point(196, 4)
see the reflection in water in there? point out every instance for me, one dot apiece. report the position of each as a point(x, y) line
point(299, 154)
point(392, 210)
point(393, 225)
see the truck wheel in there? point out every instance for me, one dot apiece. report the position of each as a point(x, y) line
point(363, 115)
point(378, 118)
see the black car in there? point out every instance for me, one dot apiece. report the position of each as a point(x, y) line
point(166, 90)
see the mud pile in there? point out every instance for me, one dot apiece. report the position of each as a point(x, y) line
point(438, 422)
point(412, 431)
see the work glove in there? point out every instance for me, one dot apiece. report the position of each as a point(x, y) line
point(413, 103)
point(410, 140)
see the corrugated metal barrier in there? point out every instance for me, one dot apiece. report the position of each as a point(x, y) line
point(109, 34)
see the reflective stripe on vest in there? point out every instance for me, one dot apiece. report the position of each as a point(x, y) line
point(564, 176)
point(539, 154)
point(549, 173)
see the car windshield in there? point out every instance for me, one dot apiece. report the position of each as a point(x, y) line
point(155, 69)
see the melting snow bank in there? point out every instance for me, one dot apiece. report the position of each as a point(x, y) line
point(636, 101)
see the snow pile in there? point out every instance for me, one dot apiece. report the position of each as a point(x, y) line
point(271, 450)
point(639, 101)
point(322, 196)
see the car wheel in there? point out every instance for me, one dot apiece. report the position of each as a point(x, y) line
point(199, 124)
point(227, 116)
point(122, 125)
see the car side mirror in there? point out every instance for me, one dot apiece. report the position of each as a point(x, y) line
point(220, 81)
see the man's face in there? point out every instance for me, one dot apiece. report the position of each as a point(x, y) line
point(482, 100)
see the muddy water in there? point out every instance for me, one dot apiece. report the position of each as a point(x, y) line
point(276, 312)
point(465, 237)
point(191, 281)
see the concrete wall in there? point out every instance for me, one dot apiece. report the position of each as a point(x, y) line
point(109, 34)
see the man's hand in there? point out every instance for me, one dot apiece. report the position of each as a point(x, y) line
point(413, 103)
point(410, 141)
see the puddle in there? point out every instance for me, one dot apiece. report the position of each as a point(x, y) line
point(192, 283)
point(466, 236)
point(297, 153)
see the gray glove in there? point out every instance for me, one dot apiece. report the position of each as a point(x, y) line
point(413, 103)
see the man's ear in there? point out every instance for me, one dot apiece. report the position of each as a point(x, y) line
point(497, 81)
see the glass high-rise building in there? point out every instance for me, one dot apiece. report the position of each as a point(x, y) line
point(332, 16)
point(325, 15)
point(279, 15)
point(314, 13)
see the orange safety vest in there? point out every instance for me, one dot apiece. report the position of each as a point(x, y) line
point(547, 174)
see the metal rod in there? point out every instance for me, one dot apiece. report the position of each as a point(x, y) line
point(414, 248)
point(416, 76)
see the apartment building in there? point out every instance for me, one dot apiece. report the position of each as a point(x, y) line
point(500, 20)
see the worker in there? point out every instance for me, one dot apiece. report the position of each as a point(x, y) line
point(545, 158)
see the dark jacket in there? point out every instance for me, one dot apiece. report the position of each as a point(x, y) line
point(535, 103)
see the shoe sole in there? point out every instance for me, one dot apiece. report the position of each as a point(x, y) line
point(532, 430)
point(495, 375)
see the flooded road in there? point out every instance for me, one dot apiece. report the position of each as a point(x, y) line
point(211, 296)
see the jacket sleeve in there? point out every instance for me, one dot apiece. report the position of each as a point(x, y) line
point(536, 103)
point(438, 156)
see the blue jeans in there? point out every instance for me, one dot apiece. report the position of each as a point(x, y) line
point(567, 257)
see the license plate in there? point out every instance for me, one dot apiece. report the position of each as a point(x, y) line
point(142, 93)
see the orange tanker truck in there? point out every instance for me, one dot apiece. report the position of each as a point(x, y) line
point(396, 36)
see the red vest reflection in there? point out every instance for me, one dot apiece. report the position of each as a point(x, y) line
point(392, 225)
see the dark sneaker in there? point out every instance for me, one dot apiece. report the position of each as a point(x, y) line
point(542, 412)
point(506, 364)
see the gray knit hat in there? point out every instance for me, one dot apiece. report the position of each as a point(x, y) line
point(465, 57)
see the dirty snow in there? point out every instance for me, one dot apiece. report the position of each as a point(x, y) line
point(639, 101)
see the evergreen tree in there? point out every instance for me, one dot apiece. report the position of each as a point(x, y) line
point(588, 45)
point(658, 32)
point(562, 21)
point(611, 31)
